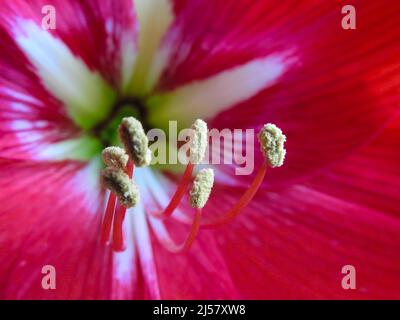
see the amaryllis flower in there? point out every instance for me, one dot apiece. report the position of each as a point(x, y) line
point(237, 64)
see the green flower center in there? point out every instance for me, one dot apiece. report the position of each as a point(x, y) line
point(106, 130)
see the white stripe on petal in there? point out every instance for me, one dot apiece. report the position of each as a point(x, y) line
point(125, 267)
point(80, 149)
point(146, 254)
point(87, 97)
point(205, 99)
point(155, 17)
point(128, 58)
point(88, 184)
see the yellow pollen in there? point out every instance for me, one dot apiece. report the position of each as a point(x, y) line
point(272, 142)
point(201, 189)
point(199, 141)
point(118, 182)
point(115, 157)
point(135, 141)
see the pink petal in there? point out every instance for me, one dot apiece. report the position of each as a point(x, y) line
point(48, 217)
point(294, 242)
point(202, 273)
point(338, 95)
point(95, 31)
point(26, 108)
point(205, 272)
point(31, 118)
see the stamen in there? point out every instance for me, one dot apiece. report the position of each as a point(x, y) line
point(179, 193)
point(197, 149)
point(108, 217)
point(119, 183)
point(242, 203)
point(116, 177)
point(199, 141)
point(171, 246)
point(118, 235)
point(272, 142)
point(201, 189)
point(135, 141)
point(115, 157)
point(111, 209)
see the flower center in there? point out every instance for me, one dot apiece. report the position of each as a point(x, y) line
point(106, 130)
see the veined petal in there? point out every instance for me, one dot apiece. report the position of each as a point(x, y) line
point(125, 282)
point(155, 16)
point(207, 276)
point(103, 34)
point(347, 215)
point(146, 255)
point(83, 148)
point(45, 67)
point(55, 224)
point(368, 177)
point(207, 98)
point(338, 94)
point(87, 97)
point(208, 37)
point(30, 117)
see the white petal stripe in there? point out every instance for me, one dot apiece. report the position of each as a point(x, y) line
point(205, 99)
point(87, 97)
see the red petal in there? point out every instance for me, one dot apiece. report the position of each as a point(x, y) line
point(29, 116)
point(295, 241)
point(338, 95)
point(97, 32)
point(206, 273)
point(94, 30)
point(50, 217)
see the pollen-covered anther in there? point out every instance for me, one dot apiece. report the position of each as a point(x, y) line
point(135, 141)
point(201, 189)
point(272, 142)
point(115, 157)
point(199, 141)
point(118, 182)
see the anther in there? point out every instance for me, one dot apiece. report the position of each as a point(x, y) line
point(115, 157)
point(118, 182)
point(272, 142)
point(201, 189)
point(199, 141)
point(135, 141)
